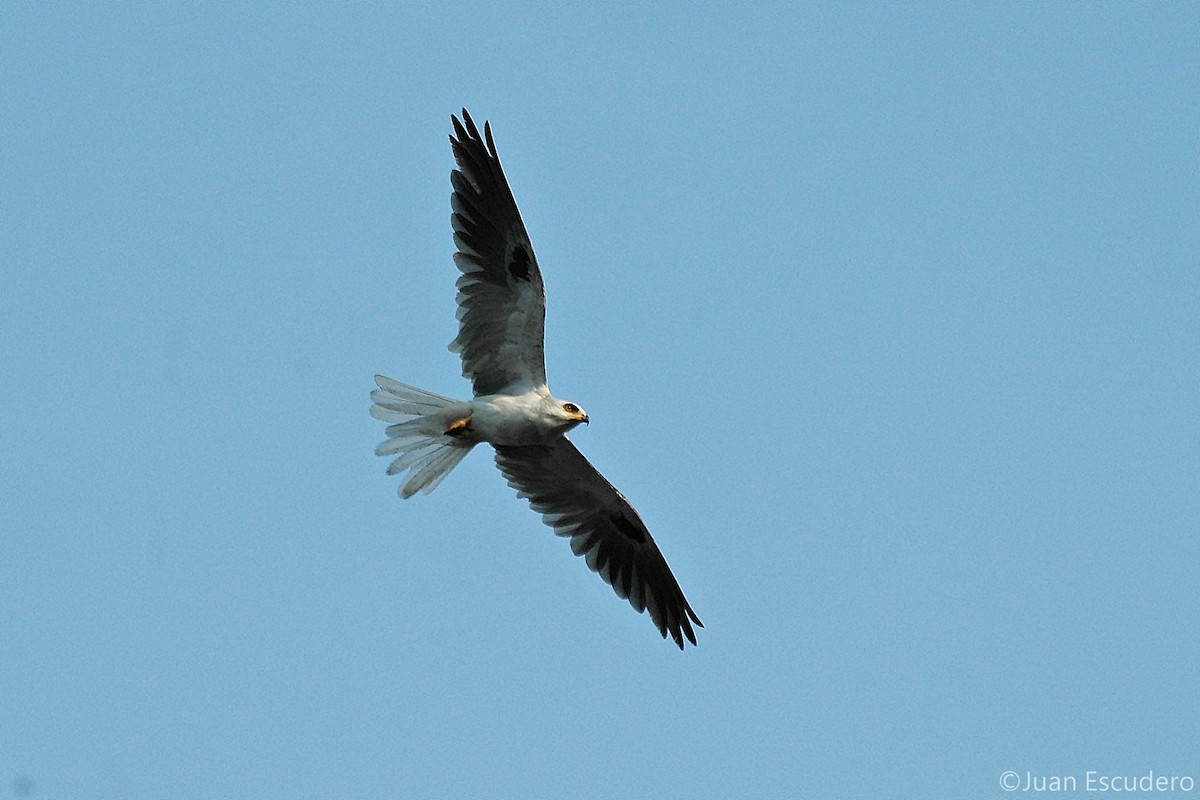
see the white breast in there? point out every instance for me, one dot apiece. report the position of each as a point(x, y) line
point(513, 419)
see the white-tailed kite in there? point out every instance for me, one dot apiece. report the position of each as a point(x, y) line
point(501, 313)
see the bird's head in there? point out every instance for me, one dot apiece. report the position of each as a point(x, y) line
point(571, 414)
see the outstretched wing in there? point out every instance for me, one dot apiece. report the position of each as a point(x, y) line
point(579, 503)
point(501, 299)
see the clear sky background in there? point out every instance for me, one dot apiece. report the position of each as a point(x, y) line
point(887, 318)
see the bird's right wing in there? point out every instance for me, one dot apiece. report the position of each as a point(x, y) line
point(501, 298)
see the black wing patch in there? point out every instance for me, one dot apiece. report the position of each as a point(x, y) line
point(627, 528)
point(518, 263)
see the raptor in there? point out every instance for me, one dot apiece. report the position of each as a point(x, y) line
point(501, 313)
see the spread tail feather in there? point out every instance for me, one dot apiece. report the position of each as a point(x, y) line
point(417, 433)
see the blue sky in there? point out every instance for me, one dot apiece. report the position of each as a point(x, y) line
point(887, 318)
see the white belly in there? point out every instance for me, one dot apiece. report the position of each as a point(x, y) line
point(513, 419)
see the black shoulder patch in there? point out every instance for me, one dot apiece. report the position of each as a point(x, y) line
point(628, 529)
point(518, 263)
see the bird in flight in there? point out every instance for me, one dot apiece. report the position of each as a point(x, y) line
point(501, 314)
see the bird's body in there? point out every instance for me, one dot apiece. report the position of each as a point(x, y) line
point(534, 417)
point(501, 315)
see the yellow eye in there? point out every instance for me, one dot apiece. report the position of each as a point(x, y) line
point(571, 408)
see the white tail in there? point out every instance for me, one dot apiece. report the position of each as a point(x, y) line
point(418, 433)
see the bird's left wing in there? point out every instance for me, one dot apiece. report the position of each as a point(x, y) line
point(501, 298)
point(576, 500)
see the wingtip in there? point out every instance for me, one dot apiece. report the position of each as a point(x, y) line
point(469, 124)
point(461, 128)
point(466, 129)
point(487, 135)
point(678, 632)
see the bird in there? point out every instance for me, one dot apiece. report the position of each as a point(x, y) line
point(501, 312)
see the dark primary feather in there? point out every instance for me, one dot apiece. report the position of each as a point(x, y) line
point(501, 298)
point(579, 503)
